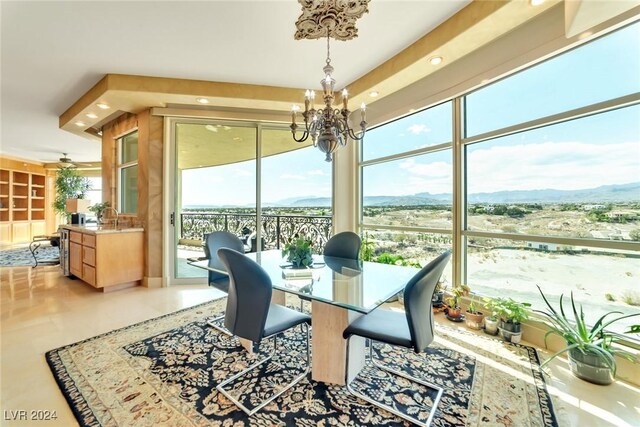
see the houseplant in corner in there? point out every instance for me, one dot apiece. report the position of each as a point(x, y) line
point(298, 252)
point(591, 351)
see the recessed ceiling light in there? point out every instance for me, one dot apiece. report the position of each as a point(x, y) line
point(413, 110)
point(585, 35)
point(80, 124)
point(202, 100)
point(536, 2)
point(373, 93)
point(91, 116)
point(435, 60)
point(103, 106)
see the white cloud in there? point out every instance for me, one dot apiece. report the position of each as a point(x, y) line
point(433, 170)
point(551, 165)
point(316, 172)
point(292, 176)
point(418, 129)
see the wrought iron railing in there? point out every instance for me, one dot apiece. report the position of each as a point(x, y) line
point(276, 229)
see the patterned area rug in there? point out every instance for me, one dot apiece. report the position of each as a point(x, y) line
point(164, 372)
point(22, 256)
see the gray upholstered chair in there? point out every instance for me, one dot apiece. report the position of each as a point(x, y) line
point(343, 245)
point(213, 242)
point(220, 280)
point(250, 315)
point(412, 329)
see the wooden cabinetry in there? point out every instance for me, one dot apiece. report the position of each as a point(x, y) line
point(22, 205)
point(106, 260)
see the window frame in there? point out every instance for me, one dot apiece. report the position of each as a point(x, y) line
point(121, 167)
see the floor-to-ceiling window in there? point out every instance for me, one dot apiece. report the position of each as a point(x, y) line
point(406, 187)
point(549, 181)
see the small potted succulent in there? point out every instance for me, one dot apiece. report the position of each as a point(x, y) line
point(591, 351)
point(474, 317)
point(298, 252)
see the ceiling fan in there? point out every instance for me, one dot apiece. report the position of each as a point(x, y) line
point(66, 162)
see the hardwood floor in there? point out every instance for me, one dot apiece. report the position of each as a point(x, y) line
point(40, 310)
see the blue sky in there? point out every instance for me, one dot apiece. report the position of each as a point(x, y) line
point(585, 153)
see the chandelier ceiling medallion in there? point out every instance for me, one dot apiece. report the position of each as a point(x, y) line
point(328, 126)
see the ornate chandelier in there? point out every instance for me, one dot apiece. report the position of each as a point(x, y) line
point(328, 127)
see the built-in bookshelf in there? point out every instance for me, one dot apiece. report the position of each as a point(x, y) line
point(22, 205)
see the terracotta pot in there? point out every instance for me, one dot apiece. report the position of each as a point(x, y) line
point(454, 312)
point(474, 320)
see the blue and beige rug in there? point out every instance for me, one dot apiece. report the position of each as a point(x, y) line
point(164, 372)
point(22, 256)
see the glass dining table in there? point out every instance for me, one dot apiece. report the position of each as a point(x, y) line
point(340, 290)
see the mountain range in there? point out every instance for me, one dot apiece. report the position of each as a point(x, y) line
point(620, 193)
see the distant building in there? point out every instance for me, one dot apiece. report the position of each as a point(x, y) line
point(618, 215)
point(542, 246)
point(592, 207)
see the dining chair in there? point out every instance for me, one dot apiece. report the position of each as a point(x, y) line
point(413, 329)
point(220, 281)
point(343, 245)
point(250, 315)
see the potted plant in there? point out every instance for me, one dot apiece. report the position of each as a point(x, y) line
point(491, 321)
point(454, 312)
point(591, 352)
point(474, 317)
point(298, 252)
point(512, 313)
point(438, 295)
point(69, 185)
point(97, 209)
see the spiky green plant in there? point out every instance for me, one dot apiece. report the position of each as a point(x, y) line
point(595, 341)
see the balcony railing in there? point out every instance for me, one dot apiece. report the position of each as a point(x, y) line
point(276, 229)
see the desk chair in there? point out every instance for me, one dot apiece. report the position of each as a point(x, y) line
point(412, 329)
point(220, 281)
point(250, 315)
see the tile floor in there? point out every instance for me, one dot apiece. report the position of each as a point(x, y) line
point(41, 310)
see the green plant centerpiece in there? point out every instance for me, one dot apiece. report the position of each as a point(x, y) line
point(591, 351)
point(69, 185)
point(299, 252)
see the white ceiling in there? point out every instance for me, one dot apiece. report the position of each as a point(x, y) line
point(54, 51)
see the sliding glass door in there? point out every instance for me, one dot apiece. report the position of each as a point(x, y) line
point(233, 176)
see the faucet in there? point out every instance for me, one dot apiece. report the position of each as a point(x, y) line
point(115, 222)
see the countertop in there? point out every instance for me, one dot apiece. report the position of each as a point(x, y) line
point(101, 229)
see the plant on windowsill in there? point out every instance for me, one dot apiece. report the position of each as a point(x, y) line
point(491, 321)
point(438, 295)
point(591, 351)
point(298, 252)
point(474, 317)
point(511, 314)
point(454, 312)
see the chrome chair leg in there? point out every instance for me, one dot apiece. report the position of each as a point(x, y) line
point(391, 409)
point(218, 327)
point(296, 380)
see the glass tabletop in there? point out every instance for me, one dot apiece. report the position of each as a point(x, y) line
point(352, 284)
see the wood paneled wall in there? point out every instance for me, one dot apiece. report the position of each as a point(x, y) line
point(150, 182)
